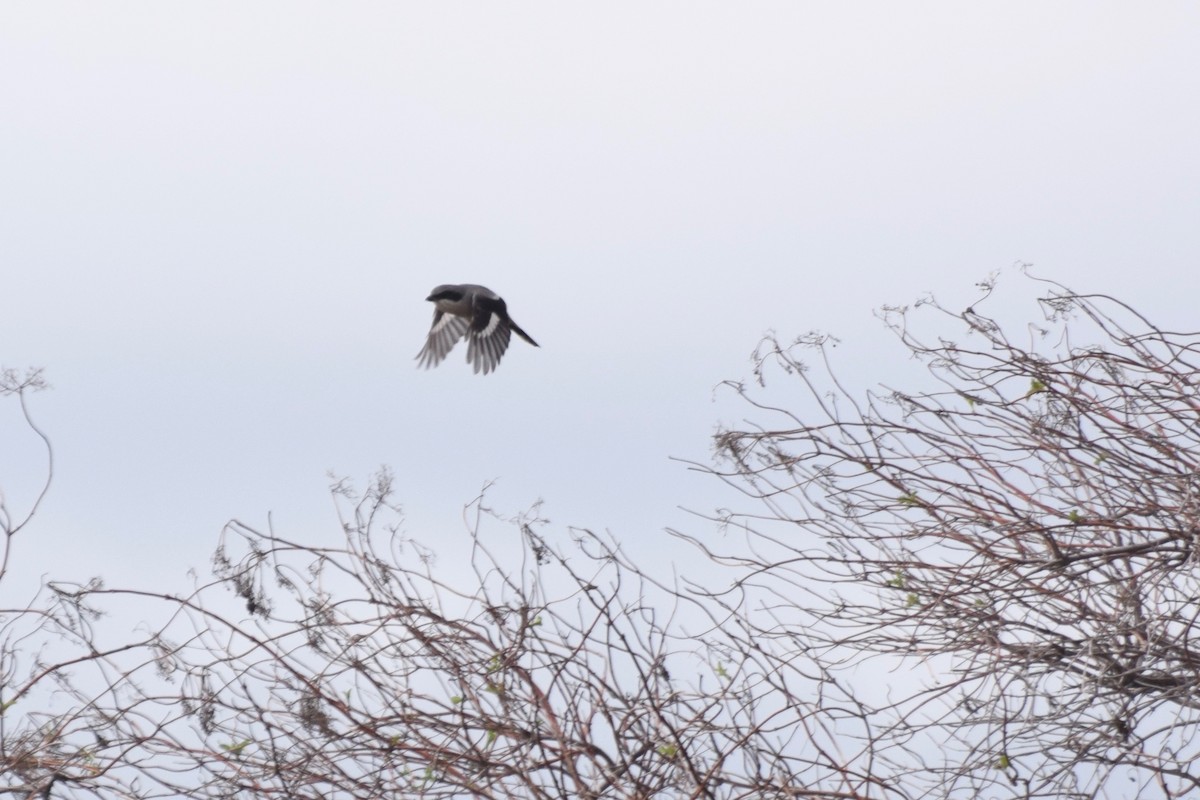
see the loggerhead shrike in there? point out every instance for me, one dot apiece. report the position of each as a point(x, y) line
point(475, 312)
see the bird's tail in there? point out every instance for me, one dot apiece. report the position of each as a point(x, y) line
point(517, 330)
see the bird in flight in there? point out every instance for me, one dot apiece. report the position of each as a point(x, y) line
point(475, 312)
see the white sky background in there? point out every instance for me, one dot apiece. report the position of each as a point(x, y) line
point(219, 222)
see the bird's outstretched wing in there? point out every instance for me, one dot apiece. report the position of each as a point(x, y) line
point(446, 331)
point(484, 348)
point(489, 335)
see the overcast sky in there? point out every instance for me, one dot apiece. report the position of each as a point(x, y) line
point(219, 222)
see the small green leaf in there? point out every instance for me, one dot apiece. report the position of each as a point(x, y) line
point(6, 706)
point(1035, 386)
point(911, 600)
point(721, 673)
point(536, 621)
point(898, 581)
point(909, 499)
point(456, 699)
point(1075, 517)
point(1002, 762)
point(668, 751)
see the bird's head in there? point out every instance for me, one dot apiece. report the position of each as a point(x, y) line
point(445, 292)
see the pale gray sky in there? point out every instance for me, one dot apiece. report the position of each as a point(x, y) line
point(219, 221)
